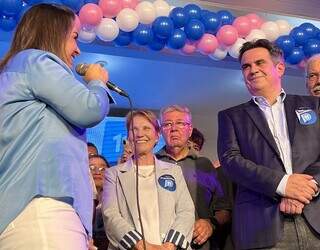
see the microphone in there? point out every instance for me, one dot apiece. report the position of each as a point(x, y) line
point(82, 68)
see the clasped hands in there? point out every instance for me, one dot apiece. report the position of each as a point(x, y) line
point(149, 246)
point(299, 191)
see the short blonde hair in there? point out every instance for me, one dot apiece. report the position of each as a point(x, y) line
point(149, 115)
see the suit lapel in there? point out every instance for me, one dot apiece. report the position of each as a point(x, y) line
point(127, 180)
point(289, 106)
point(261, 123)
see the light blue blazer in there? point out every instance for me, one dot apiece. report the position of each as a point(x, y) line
point(176, 209)
point(44, 111)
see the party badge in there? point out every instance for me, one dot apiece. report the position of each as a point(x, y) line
point(167, 182)
point(306, 116)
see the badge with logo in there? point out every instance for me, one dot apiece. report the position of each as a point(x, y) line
point(167, 182)
point(306, 116)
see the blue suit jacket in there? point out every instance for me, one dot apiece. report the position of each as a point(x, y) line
point(250, 157)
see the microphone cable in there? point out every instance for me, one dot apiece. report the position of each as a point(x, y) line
point(135, 157)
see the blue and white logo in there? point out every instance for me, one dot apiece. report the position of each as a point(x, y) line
point(306, 116)
point(167, 182)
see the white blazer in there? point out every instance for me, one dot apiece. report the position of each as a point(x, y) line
point(120, 214)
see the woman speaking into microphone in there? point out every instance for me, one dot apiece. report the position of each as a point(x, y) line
point(45, 191)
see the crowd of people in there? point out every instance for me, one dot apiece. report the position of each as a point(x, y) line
point(58, 192)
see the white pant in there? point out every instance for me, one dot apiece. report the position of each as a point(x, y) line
point(45, 224)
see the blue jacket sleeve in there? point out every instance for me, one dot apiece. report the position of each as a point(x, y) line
point(53, 83)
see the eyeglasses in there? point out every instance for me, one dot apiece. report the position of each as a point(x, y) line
point(178, 124)
point(312, 77)
point(97, 168)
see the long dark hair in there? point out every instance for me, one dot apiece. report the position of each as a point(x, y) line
point(43, 27)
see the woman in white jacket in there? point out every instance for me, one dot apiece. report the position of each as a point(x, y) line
point(167, 210)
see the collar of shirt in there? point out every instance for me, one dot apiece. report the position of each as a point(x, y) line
point(191, 154)
point(262, 102)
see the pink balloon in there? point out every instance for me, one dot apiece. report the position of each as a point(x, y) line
point(129, 4)
point(227, 35)
point(189, 48)
point(110, 8)
point(302, 64)
point(90, 14)
point(255, 20)
point(207, 44)
point(77, 22)
point(243, 25)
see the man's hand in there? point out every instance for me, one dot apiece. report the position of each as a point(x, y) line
point(203, 229)
point(291, 206)
point(149, 246)
point(301, 187)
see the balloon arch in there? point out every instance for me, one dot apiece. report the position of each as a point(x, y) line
point(189, 29)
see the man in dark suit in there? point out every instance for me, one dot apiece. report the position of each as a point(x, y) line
point(270, 147)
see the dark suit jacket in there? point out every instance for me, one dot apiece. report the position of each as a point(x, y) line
point(250, 157)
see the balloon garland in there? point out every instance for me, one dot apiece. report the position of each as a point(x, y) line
point(189, 29)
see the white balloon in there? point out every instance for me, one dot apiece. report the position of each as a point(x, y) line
point(162, 8)
point(284, 27)
point(255, 34)
point(86, 35)
point(127, 19)
point(146, 12)
point(235, 48)
point(218, 54)
point(107, 30)
point(271, 30)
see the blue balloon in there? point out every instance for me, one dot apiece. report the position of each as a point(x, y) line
point(91, 1)
point(311, 47)
point(75, 5)
point(310, 29)
point(299, 35)
point(193, 11)
point(143, 34)
point(194, 29)
point(177, 40)
point(7, 23)
point(162, 27)
point(225, 17)
point(123, 38)
point(179, 17)
point(10, 7)
point(24, 9)
point(211, 22)
point(286, 43)
point(296, 56)
point(157, 44)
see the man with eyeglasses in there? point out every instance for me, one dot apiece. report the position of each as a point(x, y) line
point(176, 128)
point(313, 75)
